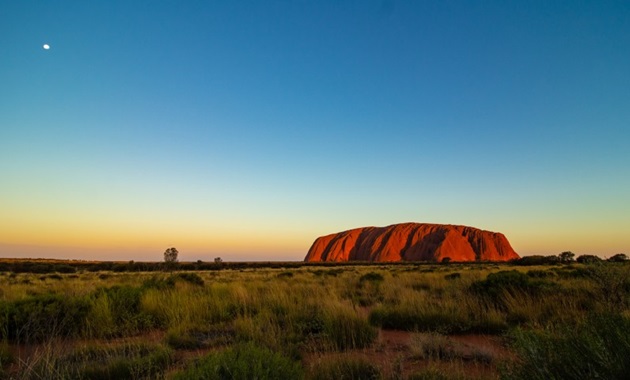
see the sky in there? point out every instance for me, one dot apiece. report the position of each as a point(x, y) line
point(246, 129)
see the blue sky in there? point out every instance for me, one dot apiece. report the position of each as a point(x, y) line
point(248, 128)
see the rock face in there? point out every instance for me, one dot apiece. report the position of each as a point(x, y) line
point(412, 242)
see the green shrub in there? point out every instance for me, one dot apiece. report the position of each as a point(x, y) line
point(346, 368)
point(160, 283)
point(453, 276)
point(372, 277)
point(596, 349)
point(328, 272)
point(119, 311)
point(124, 302)
point(367, 291)
point(443, 321)
point(40, 268)
point(612, 282)
point(191, 278)
point(285, 275)
point(183, 340)
point(536, 273)
point(243, 362)
point(618, 258)
point(399, 318)
point(420, 286)
point(310, 323)
point(513, 281)
point(64, 268)
point(335, 272)
point(588, 259)
point(536, 260)
point(570, 272)
point(496, 282)
point(41, 317)
point(317, 272)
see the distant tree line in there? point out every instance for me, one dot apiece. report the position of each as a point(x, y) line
point(37, 266)
point(568, 257)
point(68, 267)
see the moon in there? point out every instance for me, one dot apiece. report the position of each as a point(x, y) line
point(46, 46)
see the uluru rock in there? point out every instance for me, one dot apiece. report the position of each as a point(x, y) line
point(412, 242)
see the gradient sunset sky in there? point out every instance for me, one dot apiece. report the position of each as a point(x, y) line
point(246, 129)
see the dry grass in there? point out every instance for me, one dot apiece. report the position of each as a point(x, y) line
point(299, 312)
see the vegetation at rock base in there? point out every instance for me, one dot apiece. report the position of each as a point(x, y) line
point(385, 321)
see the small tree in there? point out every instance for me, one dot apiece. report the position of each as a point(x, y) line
point(566, 257)
point(618, 258)
point(170, 255)
point(537, 260)
point(218, 260)
point(588, 259)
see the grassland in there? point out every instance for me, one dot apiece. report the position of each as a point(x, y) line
point(456, 321)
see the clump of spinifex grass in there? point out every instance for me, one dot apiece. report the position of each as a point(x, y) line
point(512, 281)
point(344, 368)
point(190, 338)
point(126, 361)
point(451, 315)
point(597, 348)
point(117, 312)
point(40, 317)
point(345, 330)
point(294, 319)
point(435, 346)
point(243, 362)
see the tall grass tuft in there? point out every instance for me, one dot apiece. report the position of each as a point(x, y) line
point(598, 348)
point(345, 330)
point(116, 311)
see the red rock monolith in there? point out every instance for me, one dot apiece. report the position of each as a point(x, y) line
point(412, 242)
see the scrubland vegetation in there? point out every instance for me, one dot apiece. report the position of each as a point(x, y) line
point(455, 321)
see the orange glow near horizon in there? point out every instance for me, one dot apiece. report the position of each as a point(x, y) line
point(136, 235)
point(82, 242)
point(73, 241)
